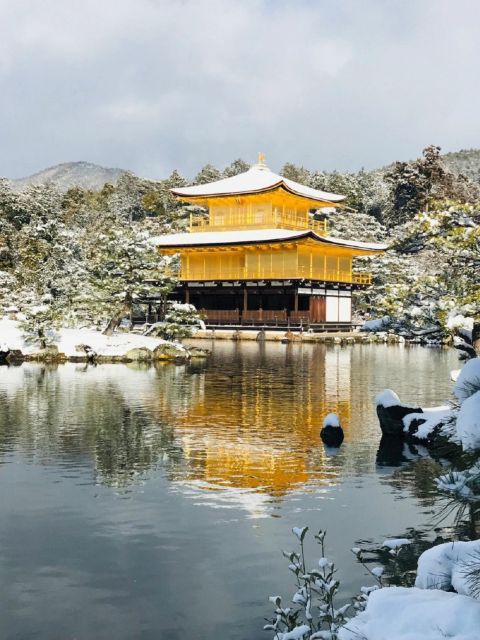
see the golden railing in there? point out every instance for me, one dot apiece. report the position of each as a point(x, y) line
point(253, 220)
point(244, 273)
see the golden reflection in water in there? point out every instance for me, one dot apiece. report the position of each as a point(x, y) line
point(253, 421)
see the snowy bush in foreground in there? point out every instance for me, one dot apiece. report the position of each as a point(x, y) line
point(314, 614)
point(468, 380)
point(447, 565)
point(399, 613)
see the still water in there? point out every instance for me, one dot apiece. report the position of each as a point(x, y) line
point(153, 503)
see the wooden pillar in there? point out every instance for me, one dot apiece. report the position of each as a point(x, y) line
point(295, 301)
point(245, 299)
point(187, 295)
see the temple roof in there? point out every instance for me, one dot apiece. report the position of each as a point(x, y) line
point(258, 179)
point(257, 236)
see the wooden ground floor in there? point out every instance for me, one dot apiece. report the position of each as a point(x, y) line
point(276, 303)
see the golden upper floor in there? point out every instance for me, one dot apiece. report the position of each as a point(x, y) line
point(255, 215)
point(257, 199)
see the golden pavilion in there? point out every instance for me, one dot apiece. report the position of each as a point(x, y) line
point(260, 256)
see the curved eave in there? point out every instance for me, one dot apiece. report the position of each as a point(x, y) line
point(204, 198)
point(229, 240)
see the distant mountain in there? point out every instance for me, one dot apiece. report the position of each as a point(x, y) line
point(72, 174)
point(466, 161)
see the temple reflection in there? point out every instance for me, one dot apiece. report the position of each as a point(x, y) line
point(254, 423)
point(250, 419)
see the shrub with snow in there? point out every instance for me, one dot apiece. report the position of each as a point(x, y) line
point(468, 380)
point(446, 565)
point(399, 613)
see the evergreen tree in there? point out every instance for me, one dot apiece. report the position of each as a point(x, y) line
point(236, 167)
point(124, 267)
point(297, 174)
point(208, 173)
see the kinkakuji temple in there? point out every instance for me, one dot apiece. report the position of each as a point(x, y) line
point(261, 256)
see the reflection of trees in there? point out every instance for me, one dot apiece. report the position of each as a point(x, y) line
point(54, 420)
point(400, 569)
point(248, 419)
point(416, 469)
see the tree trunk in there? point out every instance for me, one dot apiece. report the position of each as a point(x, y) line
point(118, 316)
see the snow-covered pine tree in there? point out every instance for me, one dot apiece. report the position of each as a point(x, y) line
point(124, 268)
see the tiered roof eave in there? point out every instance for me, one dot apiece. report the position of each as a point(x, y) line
point(207, 239)
point(257, 180)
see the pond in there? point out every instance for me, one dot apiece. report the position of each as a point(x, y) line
point(154, 503)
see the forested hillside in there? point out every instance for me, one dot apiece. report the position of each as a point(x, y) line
point(82, 255)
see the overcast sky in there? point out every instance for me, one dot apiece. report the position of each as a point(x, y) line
point(152, 85)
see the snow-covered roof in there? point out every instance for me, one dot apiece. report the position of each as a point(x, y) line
point(215, 238)
point(257, 179)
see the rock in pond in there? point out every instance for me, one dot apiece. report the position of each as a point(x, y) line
point(391, 411)
point(332, 432)
point(197, 352)
point(140, 354)
point(170, 351)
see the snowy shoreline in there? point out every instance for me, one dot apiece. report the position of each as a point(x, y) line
point(85, 345)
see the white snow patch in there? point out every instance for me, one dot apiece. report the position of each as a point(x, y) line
point(468, 422)
point(295, 634)
point(460, 322)
point(445, 566)
point(400, 613)
point(375, 325)
point(388, 398)
point(433, 417)
point(455, 482)
point(395, 543)
point(331, 420)
point(454, 374)
point(468, 380)
point(116, 345)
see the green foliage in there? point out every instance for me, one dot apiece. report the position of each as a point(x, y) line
point(179, 321)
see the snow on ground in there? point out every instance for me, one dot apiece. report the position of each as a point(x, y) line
point(432, 416)
point(378, 324)
point(400, 613)
point(468, 380)
point(11, 336)
point(446, 565)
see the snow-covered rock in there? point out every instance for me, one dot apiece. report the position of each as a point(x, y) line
point(388, 398)
point(332, 432)
point(445, 566)
point(378, 324)
point(400, 613)
point(331, 420)
point(391, 412)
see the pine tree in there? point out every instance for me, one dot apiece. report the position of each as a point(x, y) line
point(236, 167)
point(208, 173)
point(124, 268)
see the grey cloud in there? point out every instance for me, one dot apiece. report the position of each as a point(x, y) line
point(151, 85)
